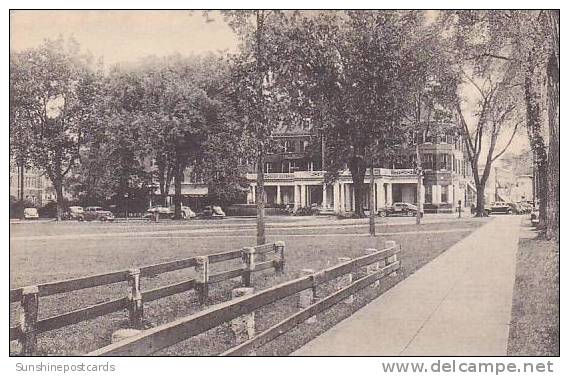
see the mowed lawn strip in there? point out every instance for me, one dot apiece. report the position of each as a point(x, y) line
point(42, 261)
point(534, 328)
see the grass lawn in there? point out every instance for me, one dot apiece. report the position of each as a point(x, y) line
point(534, 328)
point(46, 260)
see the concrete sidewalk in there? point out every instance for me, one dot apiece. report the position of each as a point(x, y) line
point(458, 304)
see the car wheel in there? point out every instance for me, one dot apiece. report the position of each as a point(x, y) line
point(382, 214)
point(509, 212)
point(80, 219)
point(183, 215)
point(409, 213)
point(103, 219)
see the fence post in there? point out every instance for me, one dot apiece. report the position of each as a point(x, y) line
point(202, 278)
point(135, 311)
point(248, 257)
point(28, 319)
point(392, 259)
point(307, 297)
point(243, 327)
point(372, 268)
point(279, 247)
point(346, 280)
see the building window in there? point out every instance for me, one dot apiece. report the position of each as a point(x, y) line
point(444, 162)
point(453, 163)
point(304, 145)
point(268, 167)
point(289, 146)
point(428, 194)
point(428, 161)
point(444, 193)
point(306, 123)
point(293, 166)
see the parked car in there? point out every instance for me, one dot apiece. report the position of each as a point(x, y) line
point(74, 213)
point(97, 213)
point(320, 210)
point(517, 207)
point(487, 210)
point(168, 212)
point(212, 212)
point(534, 217)
point(31, 213)
point(399, 208)
point(528, 207)
point(501, 207)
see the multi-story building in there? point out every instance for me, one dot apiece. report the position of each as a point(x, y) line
point(294, 175)
point(37, 189)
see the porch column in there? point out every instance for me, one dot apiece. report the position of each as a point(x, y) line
point(337, 197)
point(278, 194)
point(296, 197)
point(254, 188)
point(342, 197)
point(380, 195)
point(353, 198)
point(324, 196)
point(303, 195)
point(436, 194)
point(450, 195)
point(389, 198)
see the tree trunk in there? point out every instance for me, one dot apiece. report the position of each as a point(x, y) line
point(260, 196)
point(535, 127)
point(372, 202)
point(21, 171)
point(178, 178)
point(58, 186)
point(480, 201)
point(357, 169)
point(419, 185)
point(552, 214)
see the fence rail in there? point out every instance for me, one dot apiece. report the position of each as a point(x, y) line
point(28, 325)
point(163, 336)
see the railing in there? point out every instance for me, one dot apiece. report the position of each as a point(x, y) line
point(377, 264)
point(320, 174)
point(29, 327)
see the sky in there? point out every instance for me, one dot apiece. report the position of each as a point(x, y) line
point(125, 36)
point(120, 36)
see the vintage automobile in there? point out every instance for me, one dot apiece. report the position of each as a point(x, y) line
point(97, 213)
point(74, 213)
point(399, 208)
point(212, 212)
point(31, 213)
point(501, 207)
point(168, 212)
point(534, 217)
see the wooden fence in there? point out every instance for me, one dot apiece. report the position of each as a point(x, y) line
point(377, 264)
point(29, 327)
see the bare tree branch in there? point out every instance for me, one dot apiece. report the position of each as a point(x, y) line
point(508, 144)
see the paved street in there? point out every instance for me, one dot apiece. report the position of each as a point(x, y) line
point(458, 304)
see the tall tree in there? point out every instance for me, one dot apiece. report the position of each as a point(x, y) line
point(495, 105)
point(429, 84)
point(257, 78)
point(553, 92)
point(346, 76)
point(58, 90)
